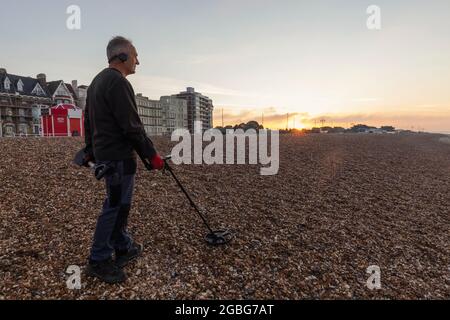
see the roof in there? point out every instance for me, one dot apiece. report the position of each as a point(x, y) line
point(66, 107)
point(52, 86)
point(72, 92)
point(28, 85)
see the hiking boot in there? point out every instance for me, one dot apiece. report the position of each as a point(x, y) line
point(124, 257)
point(106, 271)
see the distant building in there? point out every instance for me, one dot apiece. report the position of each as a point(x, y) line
point(162, 117)
point(175, 114)
point(199, 108)
point(150, 112)
point(22, 100)
point(26, 102)
point(81, 93)
point(62, 93)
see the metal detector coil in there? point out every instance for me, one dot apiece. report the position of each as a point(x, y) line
point(219, 237)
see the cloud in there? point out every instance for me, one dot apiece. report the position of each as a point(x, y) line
point(150, 84)
point(275, 119)
point(357, 100)
point(400, 119)
point(272, 117)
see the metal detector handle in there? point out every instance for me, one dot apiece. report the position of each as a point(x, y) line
point(149, 166)
point(166, 163)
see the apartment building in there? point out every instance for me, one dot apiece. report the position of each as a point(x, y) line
point(199, 108)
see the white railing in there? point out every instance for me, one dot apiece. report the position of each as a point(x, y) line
point(31, 135)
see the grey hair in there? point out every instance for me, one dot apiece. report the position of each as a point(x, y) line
point(118, 45)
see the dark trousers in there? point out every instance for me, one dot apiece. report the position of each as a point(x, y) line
point(111, 232)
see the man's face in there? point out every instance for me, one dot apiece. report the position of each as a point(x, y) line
point(132, 61)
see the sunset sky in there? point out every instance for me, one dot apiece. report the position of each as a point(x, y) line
point(312, 59)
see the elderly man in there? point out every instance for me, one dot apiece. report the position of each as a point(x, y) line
point(114, 134)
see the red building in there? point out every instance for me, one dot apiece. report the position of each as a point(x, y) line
point(63, 120)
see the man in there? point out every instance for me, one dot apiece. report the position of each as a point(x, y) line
point(114, 133)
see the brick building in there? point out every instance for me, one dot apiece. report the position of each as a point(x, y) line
point(23, 100)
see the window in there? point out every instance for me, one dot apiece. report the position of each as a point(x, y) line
point(7, 84)
point(23, 128)
point(20, 85)
point(62, 91)
point(38, 90)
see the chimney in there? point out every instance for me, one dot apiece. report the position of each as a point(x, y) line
point(139, 94)
point(75, 85)
point(42, 79)
point(3, 71)
point(190, 90)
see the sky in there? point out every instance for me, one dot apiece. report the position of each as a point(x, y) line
point(312, 59)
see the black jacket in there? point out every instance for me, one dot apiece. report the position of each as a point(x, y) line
point(112, 125)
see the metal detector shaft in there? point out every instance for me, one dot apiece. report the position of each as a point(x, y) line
point(188, 196)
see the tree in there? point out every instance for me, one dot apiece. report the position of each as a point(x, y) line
point(336, 130)
point(252, 125)
point(388, 128)
point(361, 128)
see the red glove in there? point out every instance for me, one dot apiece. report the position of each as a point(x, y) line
point(157, 163)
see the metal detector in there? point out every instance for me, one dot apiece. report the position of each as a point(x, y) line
point(214, 237)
